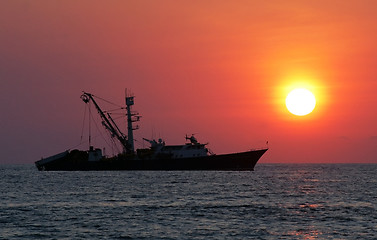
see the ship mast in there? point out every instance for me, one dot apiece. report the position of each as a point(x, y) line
point(131, 117)
point(109, 124)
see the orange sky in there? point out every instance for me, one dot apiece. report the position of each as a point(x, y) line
point(221, 69)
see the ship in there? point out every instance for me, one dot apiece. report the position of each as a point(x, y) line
point(192, 155)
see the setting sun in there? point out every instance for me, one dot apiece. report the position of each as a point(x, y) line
point(300, 102)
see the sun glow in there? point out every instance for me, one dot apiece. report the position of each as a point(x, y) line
point(300, 102)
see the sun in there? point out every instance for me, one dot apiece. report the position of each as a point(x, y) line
point(300, 102)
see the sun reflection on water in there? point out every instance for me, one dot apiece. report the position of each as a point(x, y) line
point(306, 234)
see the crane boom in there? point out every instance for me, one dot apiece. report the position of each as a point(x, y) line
point(109, 123)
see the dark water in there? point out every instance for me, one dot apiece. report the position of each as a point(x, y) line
point(273, 202)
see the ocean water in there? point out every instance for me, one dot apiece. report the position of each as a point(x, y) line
point(276, 201)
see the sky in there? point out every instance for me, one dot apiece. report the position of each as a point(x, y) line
point(219, 69)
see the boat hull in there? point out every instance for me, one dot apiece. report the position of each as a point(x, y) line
point(78, 161)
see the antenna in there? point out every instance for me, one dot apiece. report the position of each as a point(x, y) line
point(128, 93)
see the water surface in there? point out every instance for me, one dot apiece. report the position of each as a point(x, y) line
point(276, 201)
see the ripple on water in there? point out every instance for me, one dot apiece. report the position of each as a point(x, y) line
point(275, 201)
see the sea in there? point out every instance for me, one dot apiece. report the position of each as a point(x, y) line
point(276, 201)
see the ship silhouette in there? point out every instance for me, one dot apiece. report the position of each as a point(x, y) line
point(191, 155)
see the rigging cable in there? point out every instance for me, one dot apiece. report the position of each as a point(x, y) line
point(103, 137)
point(109, 102)
point(90, 132)
point(83, 124)
point(114, 110)
point(87, 111)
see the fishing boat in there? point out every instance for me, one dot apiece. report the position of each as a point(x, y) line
point(191, 155)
